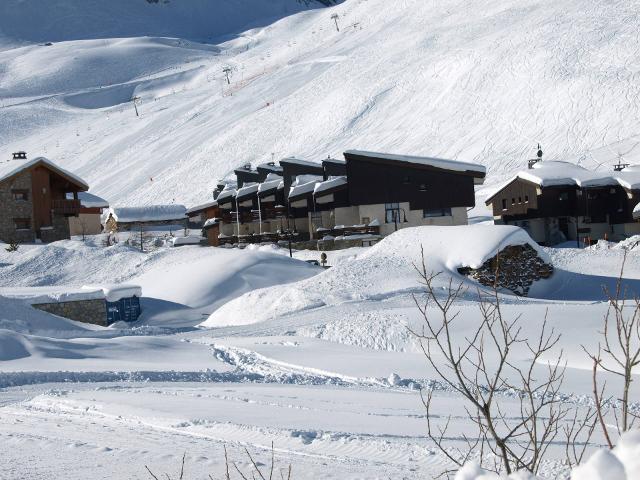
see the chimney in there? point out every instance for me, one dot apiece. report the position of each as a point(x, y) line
point(19, 155)
point(533, 161)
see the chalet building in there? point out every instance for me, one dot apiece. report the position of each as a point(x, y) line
point(88, 221)
point(560, 201)
point(132, 218)
point(37, 198)
point(367, 193)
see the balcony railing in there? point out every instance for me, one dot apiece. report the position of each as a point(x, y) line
point(66, 207)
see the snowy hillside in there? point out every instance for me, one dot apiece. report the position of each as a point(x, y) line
point(482, 81)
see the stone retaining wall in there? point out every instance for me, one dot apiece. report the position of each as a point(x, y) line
point(518, 266)
point(86, 311)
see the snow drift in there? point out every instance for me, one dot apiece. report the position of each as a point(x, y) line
point(621, 463)
point(385, 270)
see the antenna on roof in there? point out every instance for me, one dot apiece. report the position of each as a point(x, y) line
point(533, 161)
point(620, 166)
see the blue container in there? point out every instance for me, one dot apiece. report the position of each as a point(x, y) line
point(124, 310)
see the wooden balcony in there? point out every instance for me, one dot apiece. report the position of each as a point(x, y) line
point(66, 207)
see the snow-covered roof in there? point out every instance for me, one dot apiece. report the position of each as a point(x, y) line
point(204, 206)
point(248, 190)
point(275, 183)
point(298, 161)
point(10, 168)
point(226, 195)
point(453, 165)
point(636, 212)
point(629, 177)
point(329, 184)
point(335, 160)
point(151, 213)
point(303, 185)
point(89, 200)
point(115, 292)
point(60, 294)
point(557, 173)
point(271, 166)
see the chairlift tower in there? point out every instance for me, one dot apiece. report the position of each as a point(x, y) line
point(335, 17)
point(227, 71)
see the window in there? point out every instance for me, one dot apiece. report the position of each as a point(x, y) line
point(519, 200)
point(422, 187)
point(391, 212)
point(564, 196)
point(513, 201)
point(526, 199)
point(504, 203)
point(436, 212)
point(366, 220)
point(20, 195)
point(22, 223)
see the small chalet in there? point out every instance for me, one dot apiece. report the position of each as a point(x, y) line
point(365, 195)
point(128, 218)
point(88, 220)
point(37, 198)
point(560, 201)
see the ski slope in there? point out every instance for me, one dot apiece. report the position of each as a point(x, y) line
point(483, 81)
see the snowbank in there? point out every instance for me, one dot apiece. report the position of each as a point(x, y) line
point(621, 463)
point(385, 270)
point(220, 276)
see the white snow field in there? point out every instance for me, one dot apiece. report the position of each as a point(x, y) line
point(324, 367)
point(483, 81)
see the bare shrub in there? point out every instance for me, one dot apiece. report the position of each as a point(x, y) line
point(481, 368)
point(233, 471)
point(618, 354)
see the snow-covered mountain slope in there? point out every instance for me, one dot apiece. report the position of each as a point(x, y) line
point(483, 81)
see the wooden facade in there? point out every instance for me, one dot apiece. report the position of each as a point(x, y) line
point(379, 181)
point(579, 213)
point(37, 201)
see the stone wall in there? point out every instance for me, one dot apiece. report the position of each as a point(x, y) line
point(86, 311)
point(518, 266)
point(10, 209)
point(60, 230)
